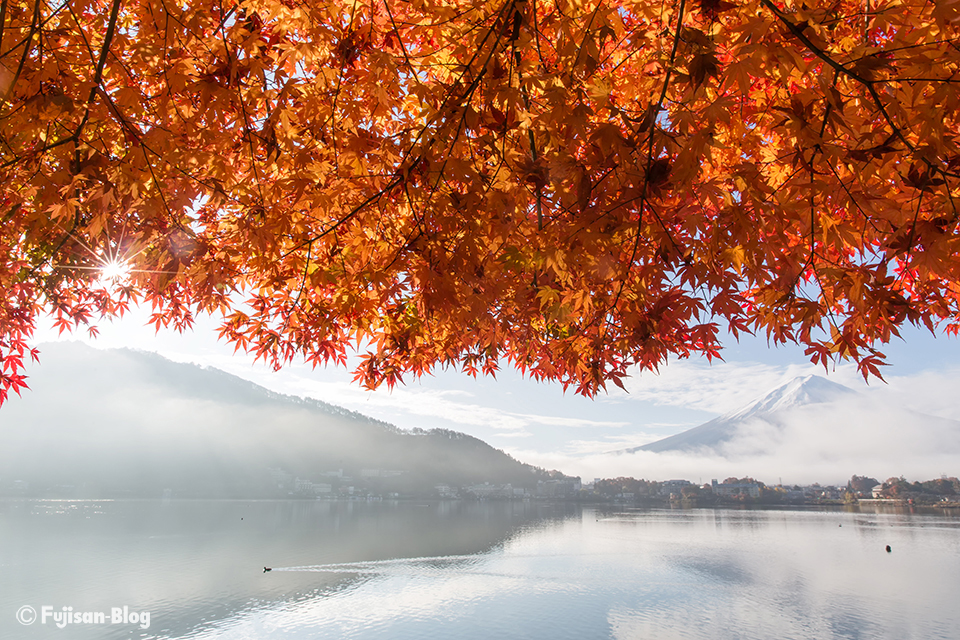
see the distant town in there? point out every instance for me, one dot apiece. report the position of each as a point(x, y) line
point(944, 492)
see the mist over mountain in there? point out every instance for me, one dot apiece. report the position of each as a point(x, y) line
point(125, 422)
point(807, 430)
point(775, 408)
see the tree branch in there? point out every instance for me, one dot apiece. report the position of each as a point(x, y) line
point(868, 84)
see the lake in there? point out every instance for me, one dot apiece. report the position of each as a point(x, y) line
point(465, 570)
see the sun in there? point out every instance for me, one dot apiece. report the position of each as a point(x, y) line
point(114, 270)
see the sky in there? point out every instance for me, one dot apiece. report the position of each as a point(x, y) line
point(540, 424)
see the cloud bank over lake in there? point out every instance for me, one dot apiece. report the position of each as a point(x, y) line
point(824, 435)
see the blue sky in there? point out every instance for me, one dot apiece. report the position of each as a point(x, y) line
point(540, 424)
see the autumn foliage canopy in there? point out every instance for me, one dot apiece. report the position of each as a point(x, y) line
point(571, 187)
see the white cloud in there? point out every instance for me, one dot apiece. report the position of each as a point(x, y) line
point(556, 421)
point(611, 443)
point(514, 434)
point(403, 405)
point(933, 392)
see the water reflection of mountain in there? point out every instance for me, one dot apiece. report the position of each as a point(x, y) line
point(120, 422)
point(192, 562)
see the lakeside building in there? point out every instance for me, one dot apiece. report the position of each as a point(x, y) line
point(566, 488)
point(673, 486)
point(751, 489)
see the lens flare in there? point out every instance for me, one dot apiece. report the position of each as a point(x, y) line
point(114, 271)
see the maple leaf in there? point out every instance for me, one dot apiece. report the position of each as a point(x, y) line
point(659, 174)
point(712, 8)
point(703, 66)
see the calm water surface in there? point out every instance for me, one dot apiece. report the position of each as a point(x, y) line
point(475, 570)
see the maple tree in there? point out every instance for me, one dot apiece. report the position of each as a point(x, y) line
point(573, 187)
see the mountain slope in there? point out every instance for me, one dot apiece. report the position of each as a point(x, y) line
point(124, 421)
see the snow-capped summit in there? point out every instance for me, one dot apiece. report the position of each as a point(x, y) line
point(799, 392)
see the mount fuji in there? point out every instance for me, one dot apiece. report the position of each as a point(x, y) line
point(809, 408)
